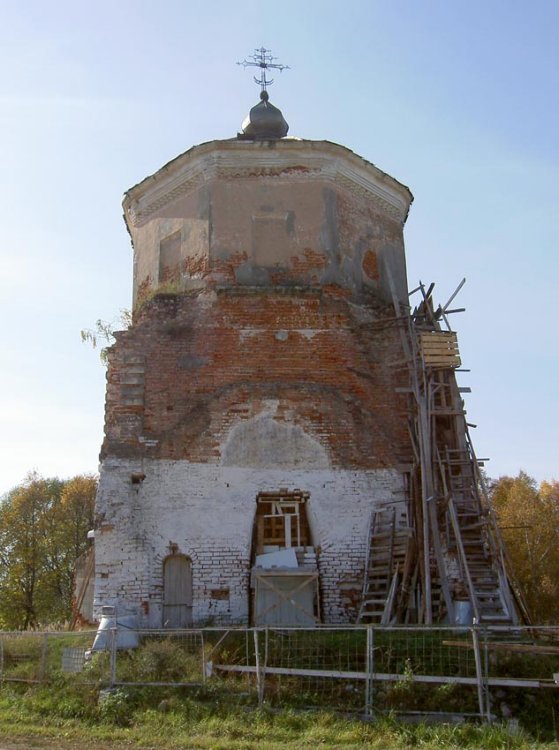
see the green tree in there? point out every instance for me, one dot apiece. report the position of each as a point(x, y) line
point(529, 520)
point(43, 528)
point(104, 333)
point(68, 523)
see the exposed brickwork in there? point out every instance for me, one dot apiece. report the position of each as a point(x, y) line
point(214, 359)
point(276, 361)
point(206, 512)
point(370, 265)
point(273, 364)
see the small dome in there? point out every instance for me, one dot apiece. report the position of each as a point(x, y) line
point(264, 121)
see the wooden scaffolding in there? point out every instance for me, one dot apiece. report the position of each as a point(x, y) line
point(443, 560)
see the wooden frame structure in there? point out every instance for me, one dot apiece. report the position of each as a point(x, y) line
point(284, 594)
point(447, 560)
point(281, 520)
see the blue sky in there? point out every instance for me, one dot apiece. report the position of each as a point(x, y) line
point(456, 100)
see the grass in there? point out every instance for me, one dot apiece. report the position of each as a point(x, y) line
point(66, 713)
point(66, 717)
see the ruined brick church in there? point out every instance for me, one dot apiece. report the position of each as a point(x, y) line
point(285, 442)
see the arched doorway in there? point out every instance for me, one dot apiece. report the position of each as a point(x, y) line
point(177, 592)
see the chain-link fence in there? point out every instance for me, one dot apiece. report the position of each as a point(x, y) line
point(464, 670)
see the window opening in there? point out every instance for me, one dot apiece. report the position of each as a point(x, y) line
point(281, 521)
point(285, 575)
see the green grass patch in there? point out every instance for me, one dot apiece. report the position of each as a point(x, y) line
point(299, 710)
point(71, 717)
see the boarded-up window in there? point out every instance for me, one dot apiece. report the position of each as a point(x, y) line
point(177, 581)
point(170, 257)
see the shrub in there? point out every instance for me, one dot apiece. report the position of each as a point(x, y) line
point(161, 661)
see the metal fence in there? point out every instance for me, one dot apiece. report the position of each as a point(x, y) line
point(364, 669)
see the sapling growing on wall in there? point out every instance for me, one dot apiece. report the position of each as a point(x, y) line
point(102, 335)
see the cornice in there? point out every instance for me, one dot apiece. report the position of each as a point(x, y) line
point(286, 160)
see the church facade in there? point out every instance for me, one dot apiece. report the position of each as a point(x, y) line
point(260, 464)
point(252, 421)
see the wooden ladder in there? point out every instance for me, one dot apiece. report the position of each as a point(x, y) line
point(478, 552)
point(387, 546)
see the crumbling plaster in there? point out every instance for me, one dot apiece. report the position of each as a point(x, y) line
point(326, 212)
point(207, 511)
point(260, 361)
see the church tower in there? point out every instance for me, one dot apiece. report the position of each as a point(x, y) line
point(257, 440)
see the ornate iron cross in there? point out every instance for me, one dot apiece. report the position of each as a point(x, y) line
point(265, 61)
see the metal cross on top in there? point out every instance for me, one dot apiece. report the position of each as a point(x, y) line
point(264, 60)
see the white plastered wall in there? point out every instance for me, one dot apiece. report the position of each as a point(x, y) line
point(206, 512)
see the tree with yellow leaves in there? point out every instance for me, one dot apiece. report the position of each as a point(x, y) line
point(43, 529)
point(529, 519)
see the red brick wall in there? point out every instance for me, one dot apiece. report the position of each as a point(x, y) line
point(193, 365)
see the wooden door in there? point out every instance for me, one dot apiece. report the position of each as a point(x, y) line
point(177, 581)
point(285, 599)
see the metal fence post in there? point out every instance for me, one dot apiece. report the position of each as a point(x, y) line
point(259, 681)
point(265, 664)
point(203, 657)
point(486, 675)
point(479, 670)
point(113, 657)
point(43, 664)
point(248, 660)
point(369, 668)
point(266, 647)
